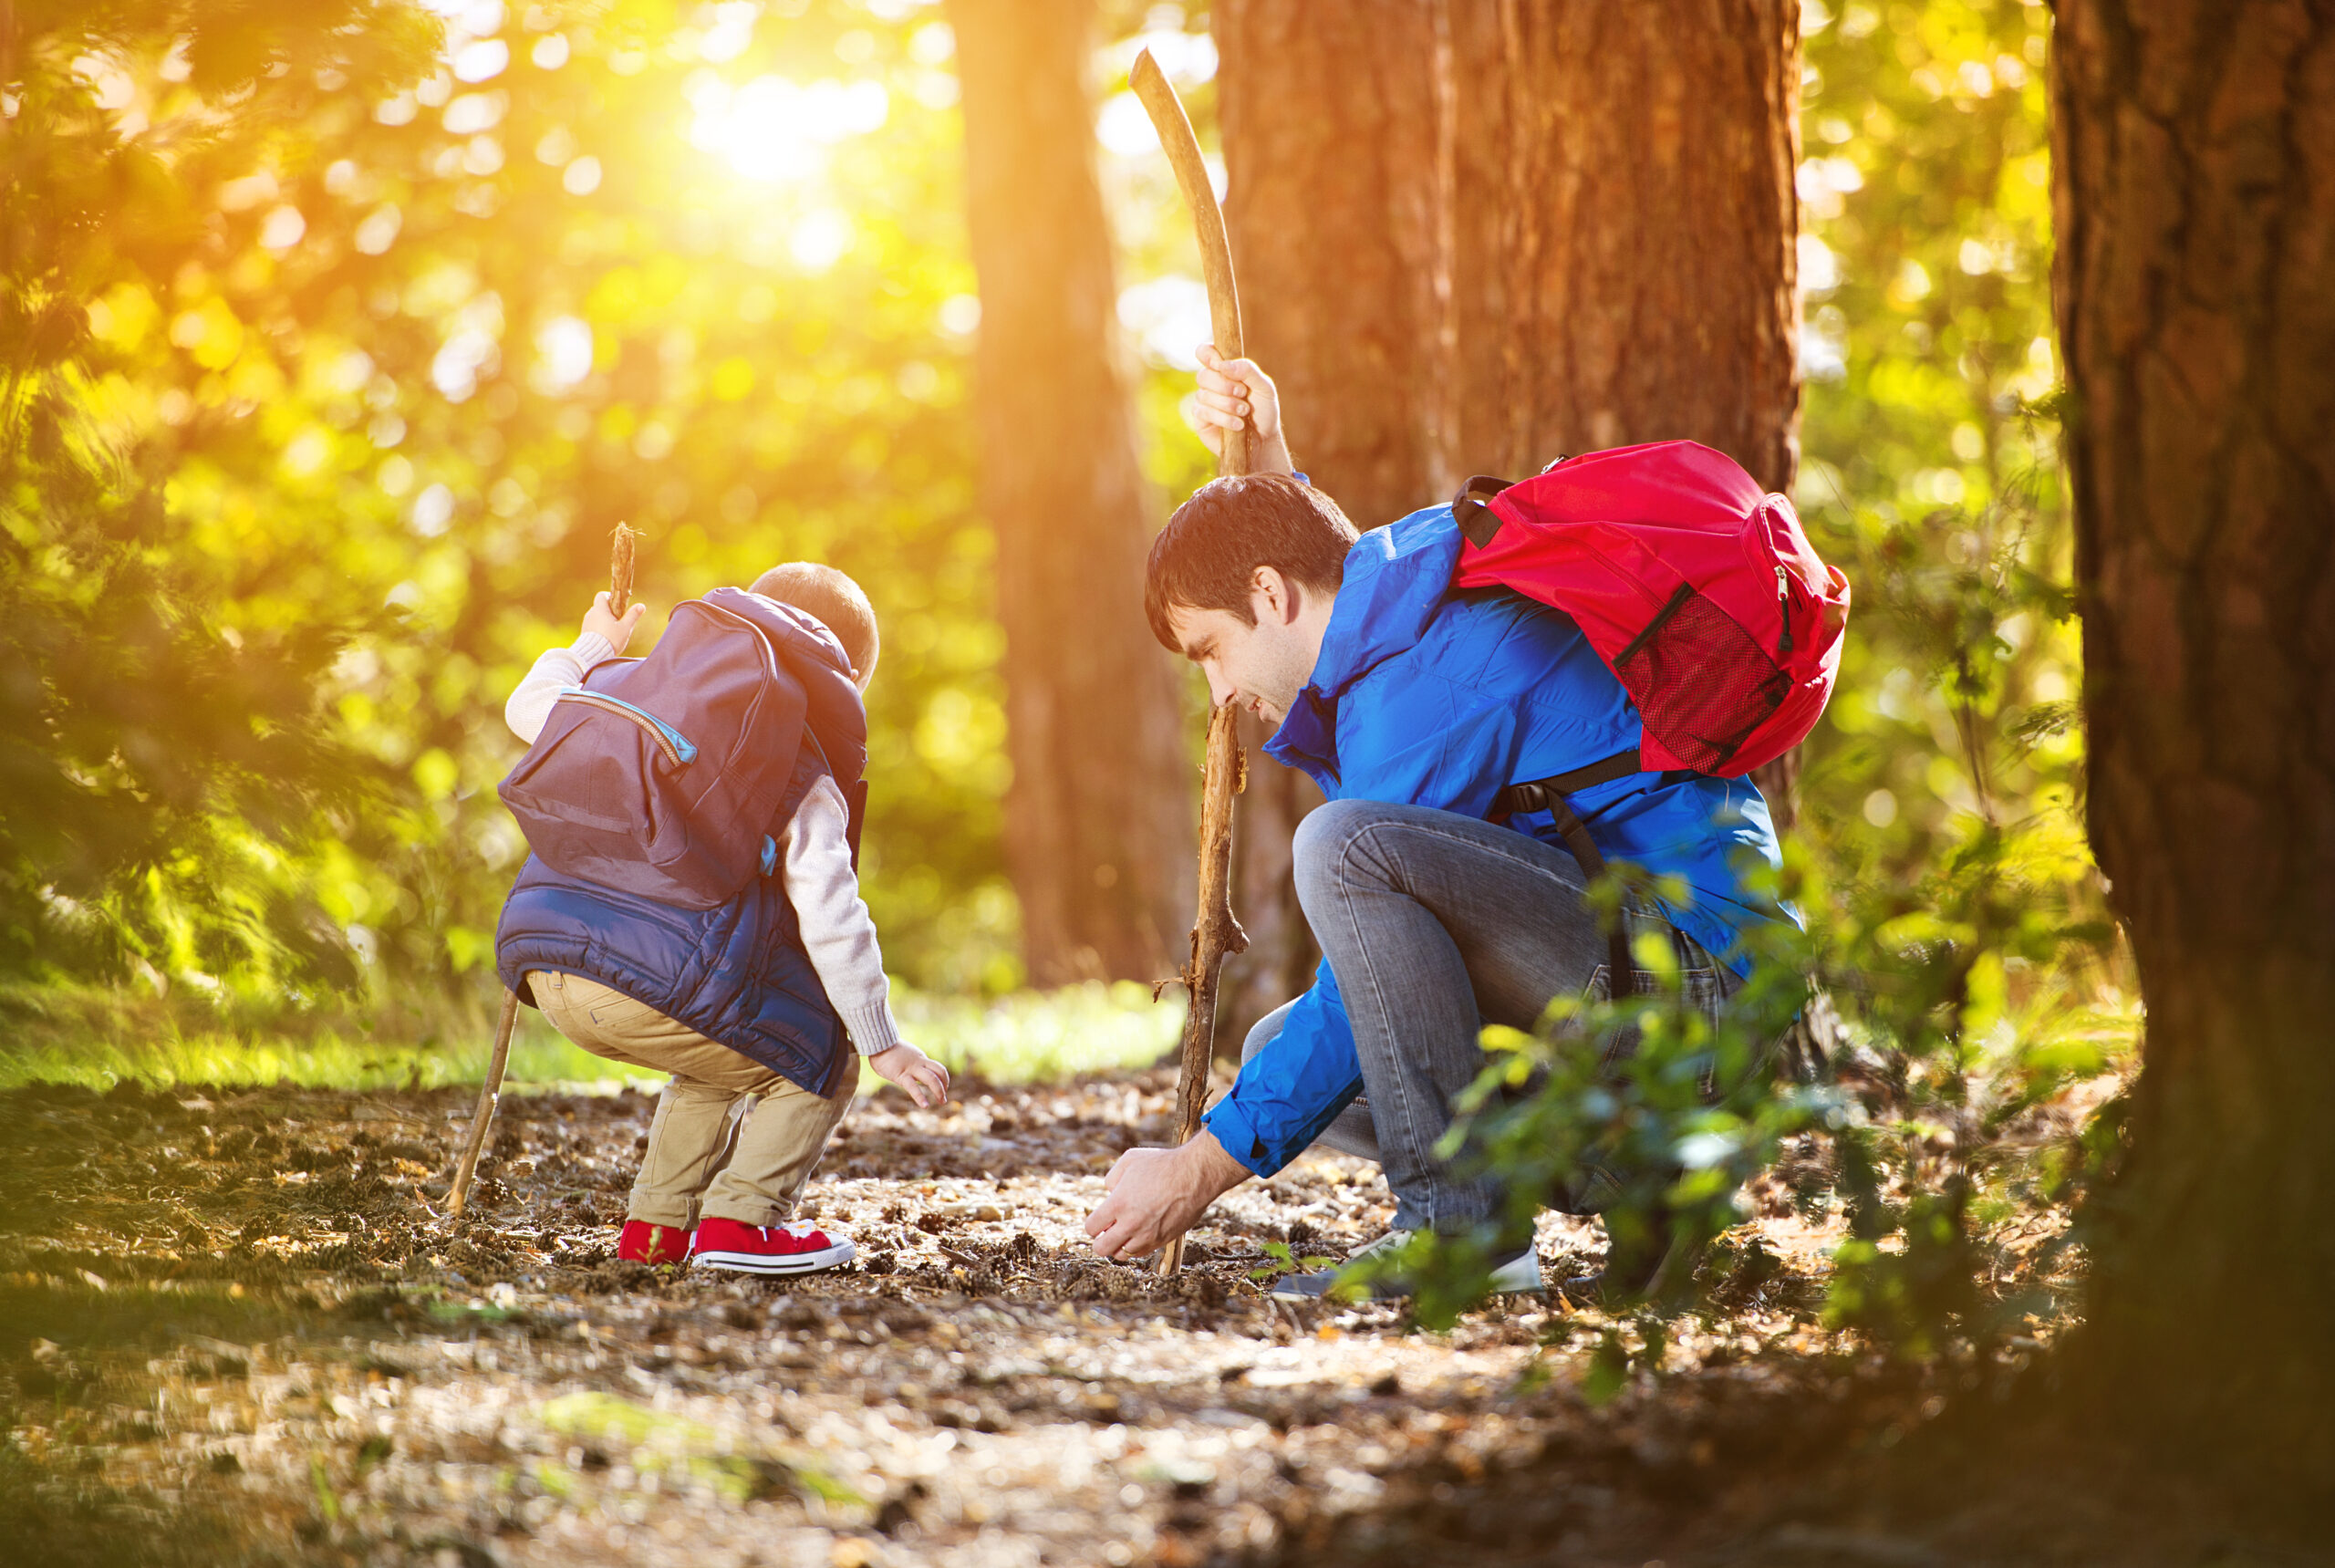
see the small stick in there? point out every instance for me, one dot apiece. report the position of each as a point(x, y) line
point(1215, 934)
point(620, 569)
point(489, 1093)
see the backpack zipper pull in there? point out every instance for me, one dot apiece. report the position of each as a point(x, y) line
point(1783, 607)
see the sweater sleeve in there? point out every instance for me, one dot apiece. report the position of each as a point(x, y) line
point(529, 709)
point(838, 934)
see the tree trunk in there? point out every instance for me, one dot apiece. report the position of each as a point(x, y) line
point(1098, 824)
point(1474, 237)
point(1331, 204)
point(1625, 256)
point(2194, 174)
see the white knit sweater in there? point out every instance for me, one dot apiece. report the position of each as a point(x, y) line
point(838, 934)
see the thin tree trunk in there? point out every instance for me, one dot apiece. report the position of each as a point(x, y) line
point(2194, 175)
point(1099, 818)
point(1474, 237)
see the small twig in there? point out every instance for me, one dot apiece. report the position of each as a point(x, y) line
point(620, 555)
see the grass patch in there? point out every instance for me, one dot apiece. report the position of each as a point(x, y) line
point(1044, 1036)
point(688, 1451)
point(97, 1037)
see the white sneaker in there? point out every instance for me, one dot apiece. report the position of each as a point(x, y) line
point(1521, 1274)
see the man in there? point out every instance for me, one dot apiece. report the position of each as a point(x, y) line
point(1412, 705)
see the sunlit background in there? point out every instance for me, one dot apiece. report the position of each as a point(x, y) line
point(380, 370)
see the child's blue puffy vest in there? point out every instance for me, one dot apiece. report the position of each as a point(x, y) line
point(735, 973)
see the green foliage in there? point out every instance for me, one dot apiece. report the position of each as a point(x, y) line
point(1652, 1111)
point(689, 1453)
point(1282, 1258)
point(1962, 924)
point(336, 340)
point(159, 753)
point(325, 389)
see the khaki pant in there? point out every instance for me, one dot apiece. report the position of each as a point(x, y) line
point(730, 1139)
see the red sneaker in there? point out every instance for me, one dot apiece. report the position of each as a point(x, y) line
point(798, 1247)
point(645, 1244)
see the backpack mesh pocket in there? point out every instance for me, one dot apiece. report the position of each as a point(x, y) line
point(1702, 683)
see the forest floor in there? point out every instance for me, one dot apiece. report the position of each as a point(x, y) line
point(232, 1329)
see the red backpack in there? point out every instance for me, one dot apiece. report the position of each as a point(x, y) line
point(1699, 592)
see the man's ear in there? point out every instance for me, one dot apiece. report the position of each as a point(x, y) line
point(1272, 596)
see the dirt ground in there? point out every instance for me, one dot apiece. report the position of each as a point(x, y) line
point(232, 1329)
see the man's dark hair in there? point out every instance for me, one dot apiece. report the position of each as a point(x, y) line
point(835, 598)
point(1206, 556)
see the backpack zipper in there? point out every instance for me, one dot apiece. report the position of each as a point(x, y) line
point(669, 741)
point(1783, 609)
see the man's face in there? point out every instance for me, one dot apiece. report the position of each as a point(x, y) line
point(1262, 666)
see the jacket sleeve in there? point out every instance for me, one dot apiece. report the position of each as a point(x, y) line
point(1293, 1088)
point(529, 709)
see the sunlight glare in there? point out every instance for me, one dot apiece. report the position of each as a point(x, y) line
point(563, 353)
point(772, 130)
point(1125, 128)
point(1169, 315)
point(820, 240)
point(733, 30)
point(282, 229)
point(482, 60)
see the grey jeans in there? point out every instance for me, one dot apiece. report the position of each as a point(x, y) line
point(1436, 925)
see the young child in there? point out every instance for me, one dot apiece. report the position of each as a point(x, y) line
point(760, 1007)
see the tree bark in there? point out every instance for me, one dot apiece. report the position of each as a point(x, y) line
point(1625, 256)
point(1331, 201)
point(2194, 183)
point(1474, 237)
point(1098, 826)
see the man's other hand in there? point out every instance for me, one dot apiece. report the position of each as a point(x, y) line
point(1234, 393)
point(617, 630)
point(1153, 1194)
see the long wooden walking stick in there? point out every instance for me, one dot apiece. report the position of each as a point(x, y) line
point(490, 1093)
point(1158, 99)
point(1215, 933)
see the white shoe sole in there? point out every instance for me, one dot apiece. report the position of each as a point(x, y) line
point(1521, 1275)
point(764, 1263)
point(1518, 1276)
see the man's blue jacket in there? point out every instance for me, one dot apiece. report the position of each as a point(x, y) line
point(1424, 696)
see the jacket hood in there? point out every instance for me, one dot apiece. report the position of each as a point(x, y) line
point(1396, 578)
point(809, 652)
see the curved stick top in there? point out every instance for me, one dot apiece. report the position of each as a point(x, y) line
point(1151, 88)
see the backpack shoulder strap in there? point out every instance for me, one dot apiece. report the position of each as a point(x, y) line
point(1549, 794)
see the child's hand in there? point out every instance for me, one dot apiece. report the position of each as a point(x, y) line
point(926, 1080)
point(617, 628)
